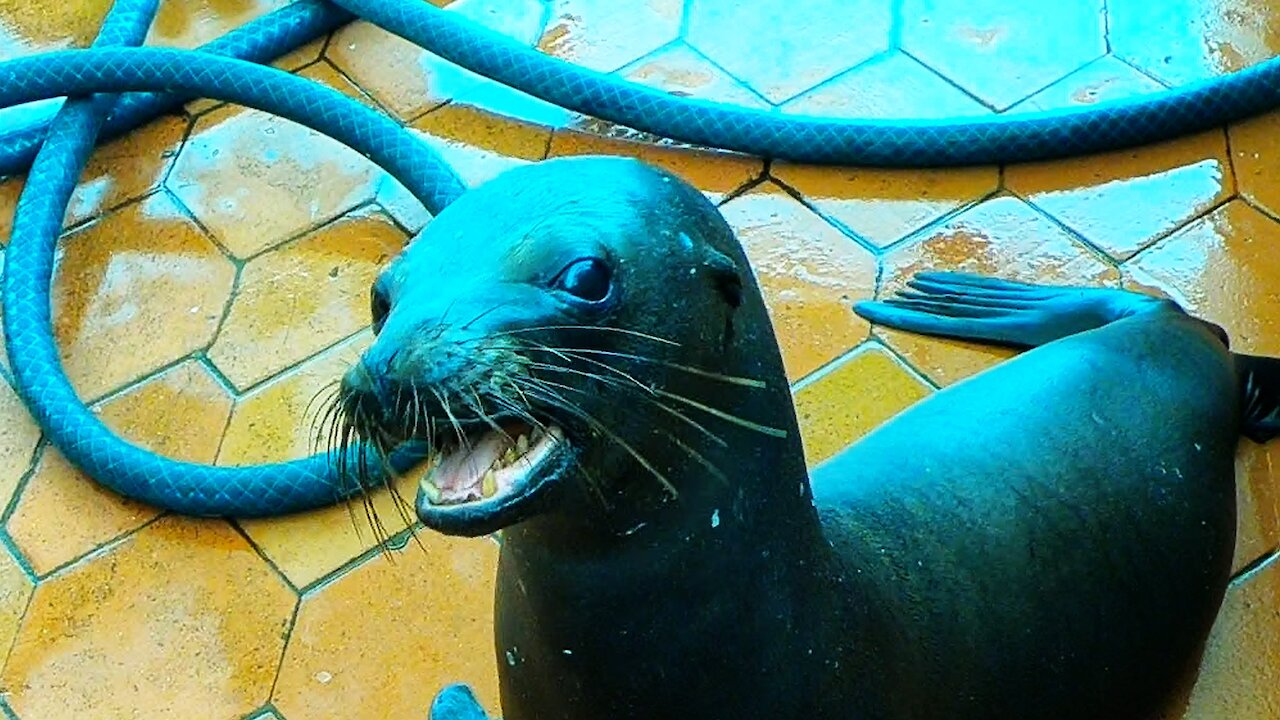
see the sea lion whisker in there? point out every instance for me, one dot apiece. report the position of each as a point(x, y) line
point(570, 355)
point(598, 328)
point(716, 472)
point(733, 379)
point(463, 441)
point(600, 427)
point(728, 417)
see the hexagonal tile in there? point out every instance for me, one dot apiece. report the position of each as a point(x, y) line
point(15, 592)
point(408, 80)
point(1102, 80)
point(606, 36)
point(304, 296)
point(479, 145)
point(1240, 675)
point(810, 273)
point(29, 27)
point(1002, 237)
point(716, 174)
point(195, 22)
point(681, 71)
point(134, 291)
point(783, 48)
point(894, 85)
point(1222, 268)
point(1001, 51)
point(428, 614)
point(884, 205)
point(278, 421)
point(1255, 154)
point(255, 180)
point(182, 615)
point(845, 401)
point(18, 437)
point(180, 413)
point(1258, 501)
point(1180, 41)
point(1123, 201)
point(119, 171)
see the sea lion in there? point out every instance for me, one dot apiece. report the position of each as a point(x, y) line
point(585, 345)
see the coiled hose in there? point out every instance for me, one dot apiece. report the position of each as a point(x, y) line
point(154, 81)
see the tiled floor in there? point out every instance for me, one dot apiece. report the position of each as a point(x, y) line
point(215, 276)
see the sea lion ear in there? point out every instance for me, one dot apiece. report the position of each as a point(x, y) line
point(725, 276)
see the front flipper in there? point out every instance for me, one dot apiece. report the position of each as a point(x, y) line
point(1003, 312)
point(456, 702)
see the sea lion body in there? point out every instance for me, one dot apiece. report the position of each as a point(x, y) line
point(1051, 538)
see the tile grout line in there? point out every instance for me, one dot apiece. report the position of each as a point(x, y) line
point(106, 547)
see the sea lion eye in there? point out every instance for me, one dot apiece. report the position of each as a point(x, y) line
point(586, 279)
point(379, 306)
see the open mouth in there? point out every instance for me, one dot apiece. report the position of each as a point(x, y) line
point(478, 485)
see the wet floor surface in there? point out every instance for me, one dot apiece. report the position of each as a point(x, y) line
point(215, 272)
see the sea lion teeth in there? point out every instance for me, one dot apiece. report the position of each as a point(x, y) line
point(522, 445)
point(489, 485)
point(429, 488)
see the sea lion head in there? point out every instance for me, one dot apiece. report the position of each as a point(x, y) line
point(552, 335)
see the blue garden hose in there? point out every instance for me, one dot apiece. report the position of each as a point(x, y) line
point(157, 80)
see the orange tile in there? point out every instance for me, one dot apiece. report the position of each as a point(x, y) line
point(303, 297)
point(1124, 201)
point(716, 174)
point(1003, 52)
point(279, 421)
point(408, 80)
point(181, 618)
point(255, 180)
point(606, 36)
point(18, 437)
point(1258, 501)
point(122, 170)
point(180, 413)
point(134, 291)
point(29, 27)
point(1222, 267)
point(1240, 674)
point(15, 593)
point(1102, 80)
point(193, 23)
point(844, 402)
point(1187, 40)
point(783, 48)
point(810, 273)
point(428, 615)
point(479, 145)
point(293, 61)
point(1001, 237)
point(1255, 154)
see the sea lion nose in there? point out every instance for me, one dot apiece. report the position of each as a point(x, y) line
point(366, 392)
